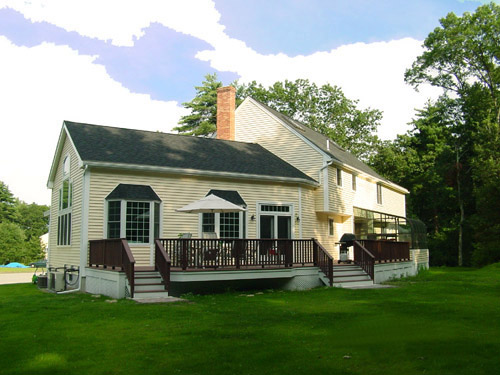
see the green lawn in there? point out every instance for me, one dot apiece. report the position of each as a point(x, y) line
point(445, 321)
point(21, 270)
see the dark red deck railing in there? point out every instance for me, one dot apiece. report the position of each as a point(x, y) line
point(323, 260)
point(387, 251)
point(365, 259)
point(113, 253)
point(191, 253)
point(162, 263)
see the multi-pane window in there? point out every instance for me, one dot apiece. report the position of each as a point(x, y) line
point(114, 219)
point(208, 223)
point(226, 225)
point(133, 220)
point(339, 177)
point(229, 225)
point(274, 208)
point(65, 203)
point(64, 229)
point(353, 181)
point(137, 222)
point(379, 193)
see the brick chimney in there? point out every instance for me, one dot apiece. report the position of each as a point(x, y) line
point(226, 103)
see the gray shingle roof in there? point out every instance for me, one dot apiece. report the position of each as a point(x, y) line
point(229, 195)
point(336, 152)
point(128, 191)
point(126, 146)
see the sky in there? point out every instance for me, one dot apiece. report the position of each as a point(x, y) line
point(133, 63)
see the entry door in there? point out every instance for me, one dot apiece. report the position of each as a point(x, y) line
point(275, 226)
point(284, 227)
point(267, 226)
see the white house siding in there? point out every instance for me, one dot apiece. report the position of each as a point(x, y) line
point(365, 197)
point(70, 255)
point(176, 191)
point(254, 125)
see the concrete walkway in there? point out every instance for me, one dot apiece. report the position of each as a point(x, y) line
point(15, 278)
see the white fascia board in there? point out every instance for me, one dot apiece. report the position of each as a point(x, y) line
point(57, 155)
point(197, 172)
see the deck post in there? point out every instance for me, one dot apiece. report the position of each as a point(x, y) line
point(315, 252)
point(184, 255)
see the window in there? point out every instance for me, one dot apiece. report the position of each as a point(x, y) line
point(114, 217)
point(133, 212)
point(66, 166)
point(339, 177)
point(379, 193)
point(353, 182)
point(65, 204)
point(331, 227)
point(275, 220)
point(226, 225)
point(133, 220)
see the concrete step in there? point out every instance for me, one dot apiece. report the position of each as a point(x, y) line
point(353, 284)
point(348, 273)
point(146, 294)
point(147, 280)
point(348, 278)
point(149, 287)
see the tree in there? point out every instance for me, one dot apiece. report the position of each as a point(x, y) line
point(462, 57)
point(32, 219)
point(203, 117)
point(325, 109)
point(7, 204)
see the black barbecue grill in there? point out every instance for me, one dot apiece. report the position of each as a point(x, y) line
point(346, 241)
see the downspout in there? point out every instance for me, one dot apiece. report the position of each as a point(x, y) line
point(326, 198)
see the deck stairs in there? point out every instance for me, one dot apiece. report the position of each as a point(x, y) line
point(348, 276)
point(148, 284)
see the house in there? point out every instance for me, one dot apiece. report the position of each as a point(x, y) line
point(119, 189)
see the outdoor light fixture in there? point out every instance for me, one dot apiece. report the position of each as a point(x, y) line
point(252, 218)
point(298, 219)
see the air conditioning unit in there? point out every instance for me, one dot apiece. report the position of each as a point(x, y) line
point(56, 281)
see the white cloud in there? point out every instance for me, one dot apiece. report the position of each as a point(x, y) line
point(47, 84)
point(44, 85)
point(121, 21)
point(372, 73)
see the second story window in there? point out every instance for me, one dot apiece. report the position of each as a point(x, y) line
point(379, 193)
point(353, 182)
point(65, 204)
point(339, 177)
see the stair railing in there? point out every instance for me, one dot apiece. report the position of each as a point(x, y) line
point(323, 260)
point(365, 259)
point(113, 253)
point(162, 263)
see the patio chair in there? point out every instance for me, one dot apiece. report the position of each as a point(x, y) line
point(177, 259)
point(210, 249)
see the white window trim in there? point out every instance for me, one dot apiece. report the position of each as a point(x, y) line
point(340, 182)
point(333, 222)
point(291, 213)
point(68, 210)
point(123, 220)
point(242, 222)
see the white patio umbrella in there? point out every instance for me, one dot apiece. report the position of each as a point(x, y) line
point(210, 203)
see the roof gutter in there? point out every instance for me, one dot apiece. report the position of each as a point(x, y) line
point(197, 172)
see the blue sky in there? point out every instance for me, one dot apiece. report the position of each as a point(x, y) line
point(132, 63)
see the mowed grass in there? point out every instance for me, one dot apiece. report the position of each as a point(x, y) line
point(444, 321)
point(21, 270)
